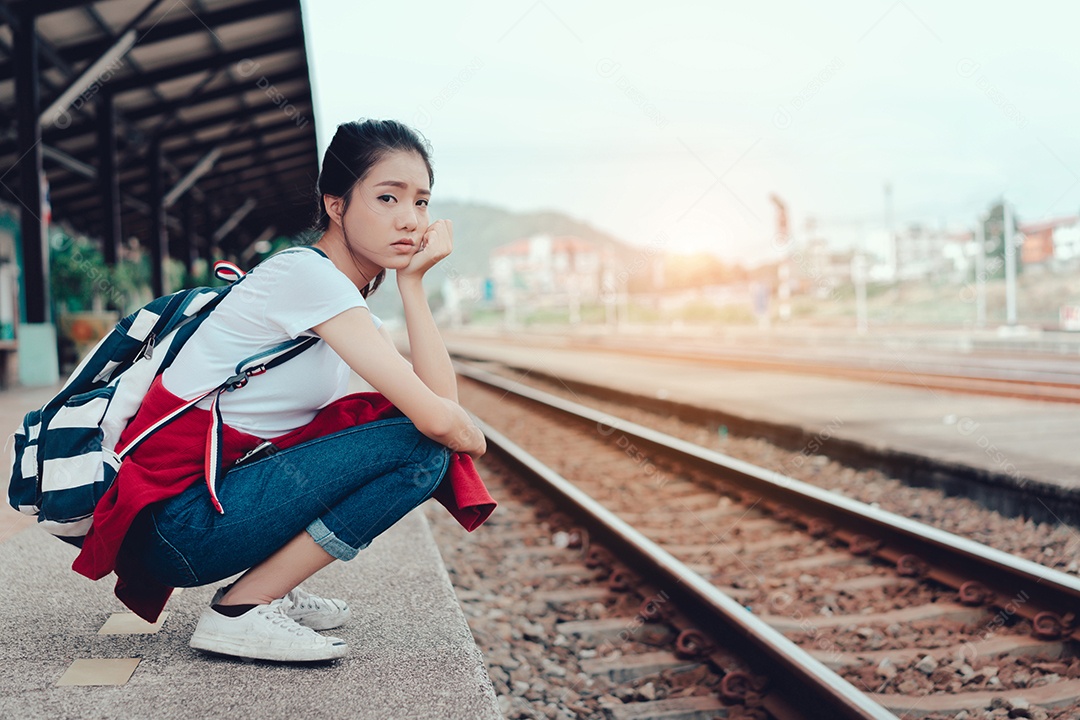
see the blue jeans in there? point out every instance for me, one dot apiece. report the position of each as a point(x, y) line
point(344, 489)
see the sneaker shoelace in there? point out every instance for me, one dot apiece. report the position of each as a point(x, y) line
point(303, 599)
point(275, 612)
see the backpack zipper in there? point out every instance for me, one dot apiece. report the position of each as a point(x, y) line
point(147, 349)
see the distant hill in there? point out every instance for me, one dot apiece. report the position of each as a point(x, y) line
point(478, 229)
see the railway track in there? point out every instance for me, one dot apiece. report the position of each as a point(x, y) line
point(854, 612)
point(570, 633)
point(1002, 489)
point(1049, 380)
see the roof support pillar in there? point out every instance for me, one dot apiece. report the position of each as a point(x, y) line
point(209, 222)
point(108, 176)
point(39, 363)
point(190, 249)
point(33, 241)
point(159, 238)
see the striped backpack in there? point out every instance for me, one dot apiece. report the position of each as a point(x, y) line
point(64, 457)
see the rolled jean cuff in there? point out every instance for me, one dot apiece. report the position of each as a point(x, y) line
point(330, 542)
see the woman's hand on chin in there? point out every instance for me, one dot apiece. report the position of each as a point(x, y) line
point(437, 243)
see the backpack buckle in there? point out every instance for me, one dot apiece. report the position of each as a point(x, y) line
point(257, 370)
point(236, 381)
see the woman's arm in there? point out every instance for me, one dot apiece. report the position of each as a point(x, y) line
point(353, 336)
point(430, 360)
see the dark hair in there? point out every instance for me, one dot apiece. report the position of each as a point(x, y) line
point(356, 148)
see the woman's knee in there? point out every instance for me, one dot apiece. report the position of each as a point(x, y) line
point(429, 462)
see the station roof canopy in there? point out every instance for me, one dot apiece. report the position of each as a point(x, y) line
point(222, 85)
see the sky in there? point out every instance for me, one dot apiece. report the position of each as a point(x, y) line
point(669, 124)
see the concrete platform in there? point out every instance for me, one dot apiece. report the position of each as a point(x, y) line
point(411, 652)
point(1027, 443)
point(412, 655)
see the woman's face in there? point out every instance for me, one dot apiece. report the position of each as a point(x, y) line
point(388, 211)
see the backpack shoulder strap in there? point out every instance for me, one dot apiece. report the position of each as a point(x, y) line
point(231, 272)
point(255, 365)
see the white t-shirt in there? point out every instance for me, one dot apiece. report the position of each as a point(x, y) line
point(282, 298)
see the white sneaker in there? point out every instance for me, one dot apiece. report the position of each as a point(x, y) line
point(265, 632)
point(316, 612)
point(309, 610)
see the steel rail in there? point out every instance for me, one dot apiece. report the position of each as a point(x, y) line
point(802, 676)
point(1045, 596)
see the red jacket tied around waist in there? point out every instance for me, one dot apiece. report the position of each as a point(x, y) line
point(172, 459)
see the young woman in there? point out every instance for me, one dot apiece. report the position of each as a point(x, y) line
point(283, 517)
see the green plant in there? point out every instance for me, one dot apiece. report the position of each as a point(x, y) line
point(78, 275)
point(130, 284)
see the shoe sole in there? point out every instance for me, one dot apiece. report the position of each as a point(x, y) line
point(226, 646)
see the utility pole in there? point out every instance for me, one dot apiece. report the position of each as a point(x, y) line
point(894, 242)
point(980, 272)
point(1010, 264)
point(783, 271)
point(858, 278)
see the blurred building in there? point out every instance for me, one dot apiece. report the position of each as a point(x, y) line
point(921, 253)
point(958, 255)
point(822, 269)
point(1051, 245)
point(548, 269)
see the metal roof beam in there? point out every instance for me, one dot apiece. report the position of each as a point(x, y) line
point(260, 152)
point(8, 147)
point(92, 74)
point(288, 148)
point(185, 148)
point(233, 220)
point(116, 49)
point(262, 168)
point(126, 199)
point(276, 170)
point(61, 187)
point(206, 162)
point(290, 217)
point(209, 182)
point(253, 247)
point(87, 200)
point(144, 209)
point(187, 151)
point(129, 28)
point(273, 191)
point(46, 7)
point(46, 50)
point(172, 72)
point(74, 165)
point(189, 23)
point(155, 109)
point(244, 114)
point(239, 175)
point(111, 56)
